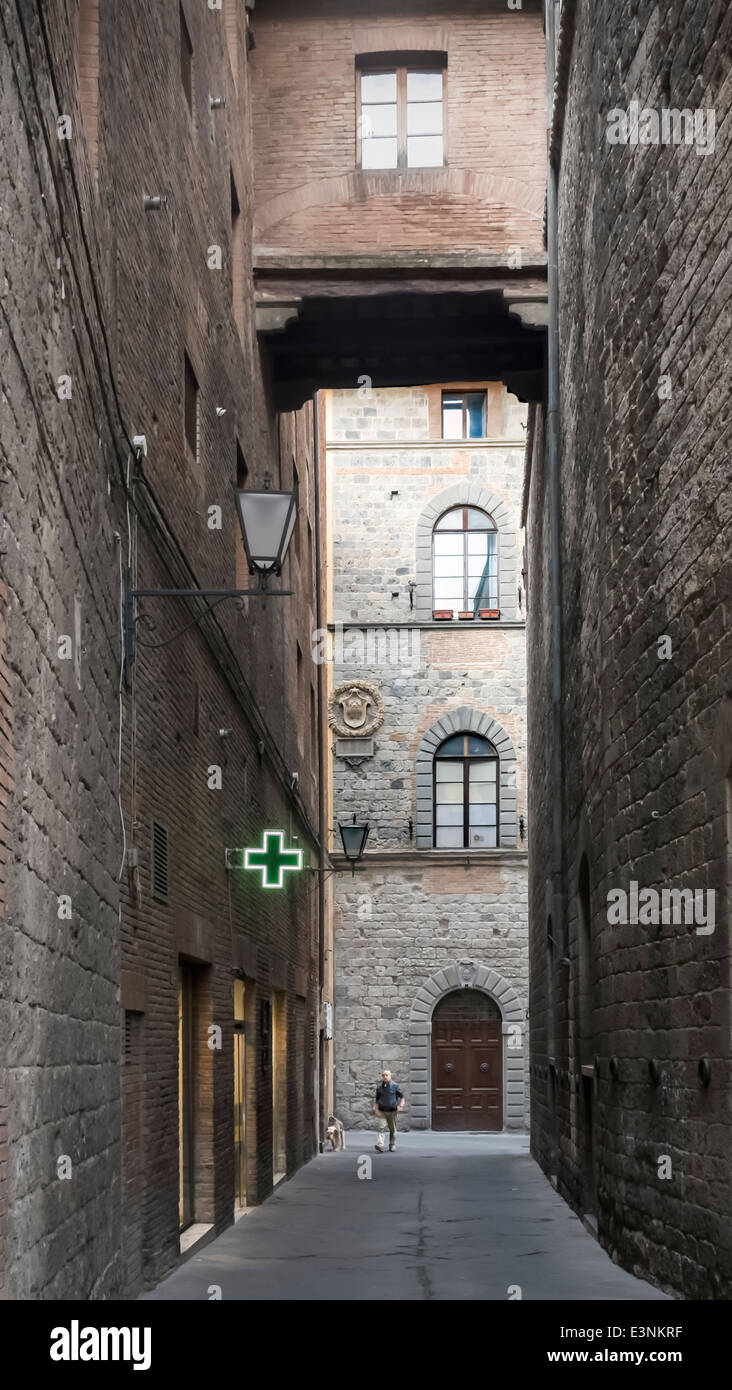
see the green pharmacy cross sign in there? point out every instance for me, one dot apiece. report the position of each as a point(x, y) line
point(273, 860)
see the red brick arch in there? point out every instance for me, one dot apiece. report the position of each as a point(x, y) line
point(486, 189)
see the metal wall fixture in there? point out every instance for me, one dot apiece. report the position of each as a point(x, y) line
point(154, 202)
point(353, 839)
point(704, 1071)
point(654, 1071)
point(267, 520)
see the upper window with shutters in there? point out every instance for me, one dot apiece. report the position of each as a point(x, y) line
point(401, 111)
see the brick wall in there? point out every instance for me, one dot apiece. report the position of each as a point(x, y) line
point(399, 923)
point(309, 195)
point(235, 674)
point(644, 322)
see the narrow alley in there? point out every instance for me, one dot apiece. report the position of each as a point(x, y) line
point(365, 669)
point(446, 1216)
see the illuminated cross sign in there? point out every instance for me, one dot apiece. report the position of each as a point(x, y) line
point(273, 860)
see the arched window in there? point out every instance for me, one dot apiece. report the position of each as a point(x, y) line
point(464, 561)
point(466, 793)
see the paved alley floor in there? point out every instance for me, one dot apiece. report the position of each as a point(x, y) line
point(446, 1216)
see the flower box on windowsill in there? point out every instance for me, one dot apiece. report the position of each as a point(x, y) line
point(489, 612)
point(466, 617)
point(441, 614)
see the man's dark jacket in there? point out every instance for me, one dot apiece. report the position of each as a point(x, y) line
point(388, 1095)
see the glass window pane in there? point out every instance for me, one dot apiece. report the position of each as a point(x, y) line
point(452, 418)
point(446, 771)
point(449, 815)
point(476, 414)
point(481, 772)
point(378, 120)
point(449, 544)
point(483, 838)
point(424, 86)
point(486, 595)
point(378, 154)
point(478, 545)
point(424, 152)
point(424, 118)
point(449, 793)
point(483, 815)
point(378, 86)
point(448, 567)
point(446, 592)
point(447, 837)
point(452, 747)
point(451, 521)
point(481, 792)
point(478, 521)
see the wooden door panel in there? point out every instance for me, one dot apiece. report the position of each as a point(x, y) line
point(467, 1075)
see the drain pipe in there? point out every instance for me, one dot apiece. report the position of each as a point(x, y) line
point(554, 490)
point(322, 818)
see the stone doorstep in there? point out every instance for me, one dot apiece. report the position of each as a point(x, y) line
point(195, 1236)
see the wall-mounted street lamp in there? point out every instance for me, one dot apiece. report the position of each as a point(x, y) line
point(267, 520)
point(354, 837)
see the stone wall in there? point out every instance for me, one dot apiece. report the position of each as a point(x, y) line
point(102, 302)
point(60, 960)
point(411, 911)
point(647, 746)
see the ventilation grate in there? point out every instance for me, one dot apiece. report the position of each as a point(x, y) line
point(129, 1048)
point(159, 862)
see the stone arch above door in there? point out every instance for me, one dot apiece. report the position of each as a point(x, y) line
point(471, 721)
point(467, 974)
point(467, 494)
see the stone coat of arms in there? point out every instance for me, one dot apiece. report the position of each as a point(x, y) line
point(355, 709)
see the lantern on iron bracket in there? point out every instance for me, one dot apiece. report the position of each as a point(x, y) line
point(267, 519)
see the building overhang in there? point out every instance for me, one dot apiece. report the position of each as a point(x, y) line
point(400, 319)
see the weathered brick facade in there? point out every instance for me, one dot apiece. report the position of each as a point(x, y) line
point(90, 1004)
point(413, 912)
point(623, 1016)
point(309, 195)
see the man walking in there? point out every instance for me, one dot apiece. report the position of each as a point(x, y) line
point(389, 1100)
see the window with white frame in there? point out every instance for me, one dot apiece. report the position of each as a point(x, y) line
point(401, 122)
point(464, 561)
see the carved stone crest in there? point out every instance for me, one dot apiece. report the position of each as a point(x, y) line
point(466, 971)
point(356, 709)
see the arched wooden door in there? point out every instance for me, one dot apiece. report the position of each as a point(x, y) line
point(467, 1062)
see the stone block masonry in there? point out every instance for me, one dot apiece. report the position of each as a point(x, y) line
point(59, 969)
point(412, 915)
point(394, 930)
